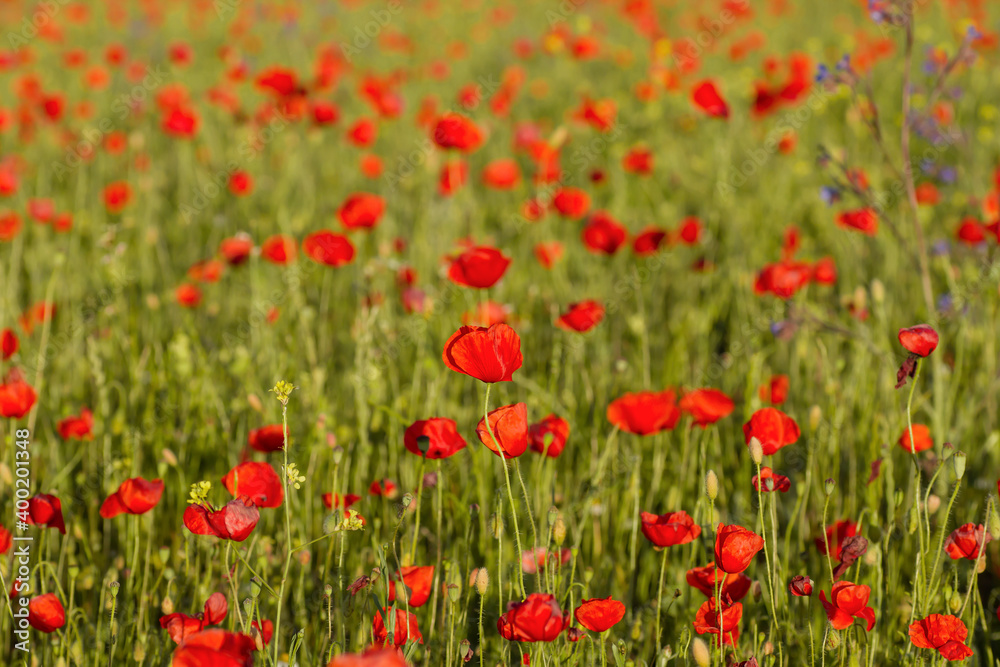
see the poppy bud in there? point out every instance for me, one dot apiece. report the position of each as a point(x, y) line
point(955, 602)
point(959, 465)
point(167, 606)
point(588, 574)
point(768, 648)
point(833, 640)
point(139, 652)
point(496, 526)
point(829, 485)
point(699, 651)
point(553, 515)
point(933, 503)
point(338, 455)
point(899, 498)
point(559, 532)
point(255, 588)
point(712, 485)
point(946, 451)
point(911, 521)
point(248, 607)
point(878, 291)
point(454, 592)
point(815, 415)
point(407, 499)
point(114, 585)
point(993, 521)
point(756, 451)
point(482, 580)
point(756, 591)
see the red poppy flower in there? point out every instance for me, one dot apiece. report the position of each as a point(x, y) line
point(966, 541)
point(46, 510)
point(240, 183)
point(847, 602)
point(417, 580)
point(836, 535)
point(648, 242)
point(134, 496)
point(776, 390)
point(371, 165)
point(6, 540)
point(920, 340)
point(277, 80)
point(800, 586)
point(708, 620)
point(207, 271)
point(599, 615)
point(603, 234)
point(638, 161)
point(181, 122)
point(325, 247)
point(9, 344)
point(181, 626)
point(707, 98)
point(454, 174)
point(971, 232)
point(264, 633)
point(944, 634)
point(509, 426)
point(735, 547)
point(258, 481)
point(773, 428)
point(668, 530)
point(331, 500)
point(236, 250)
point(772, 481)
point(268, 438)
point(188, 295)
point(824, 272)
point(535, 560)
point(363, 133)
point(581, 316)
point(864, 220)
point(502, 174)
point(706, 406)
point(487, 354)
point(37, 314)
point(77, 427)
point(549, 436)
point(572, 203)
point(215, 647)
point(117, 196)
point(538, 618)
point(325, 113)
point(456, 131)
point(385, 487)
point(17, 397)
point(46, 613)
point(734, 586)
point(10, 226)
point(434, 438)
point(645, 412)
point(922, 440)
point(783, 279)
point(361, 210)
point(279, 249)
point(235, 521)
point(41, 210)
point(479, 266)
point(548, 253)
point(372, 658)
point(405, 630)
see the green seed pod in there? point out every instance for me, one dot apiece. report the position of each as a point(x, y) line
point(912, 521)
point(955, 603)
point(255, 588)
point(553, 515)
point(496, 526)
point(829, 485)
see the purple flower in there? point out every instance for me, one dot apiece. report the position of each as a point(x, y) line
point(830, 195)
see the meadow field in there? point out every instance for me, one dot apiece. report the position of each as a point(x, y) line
point(567, 333)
